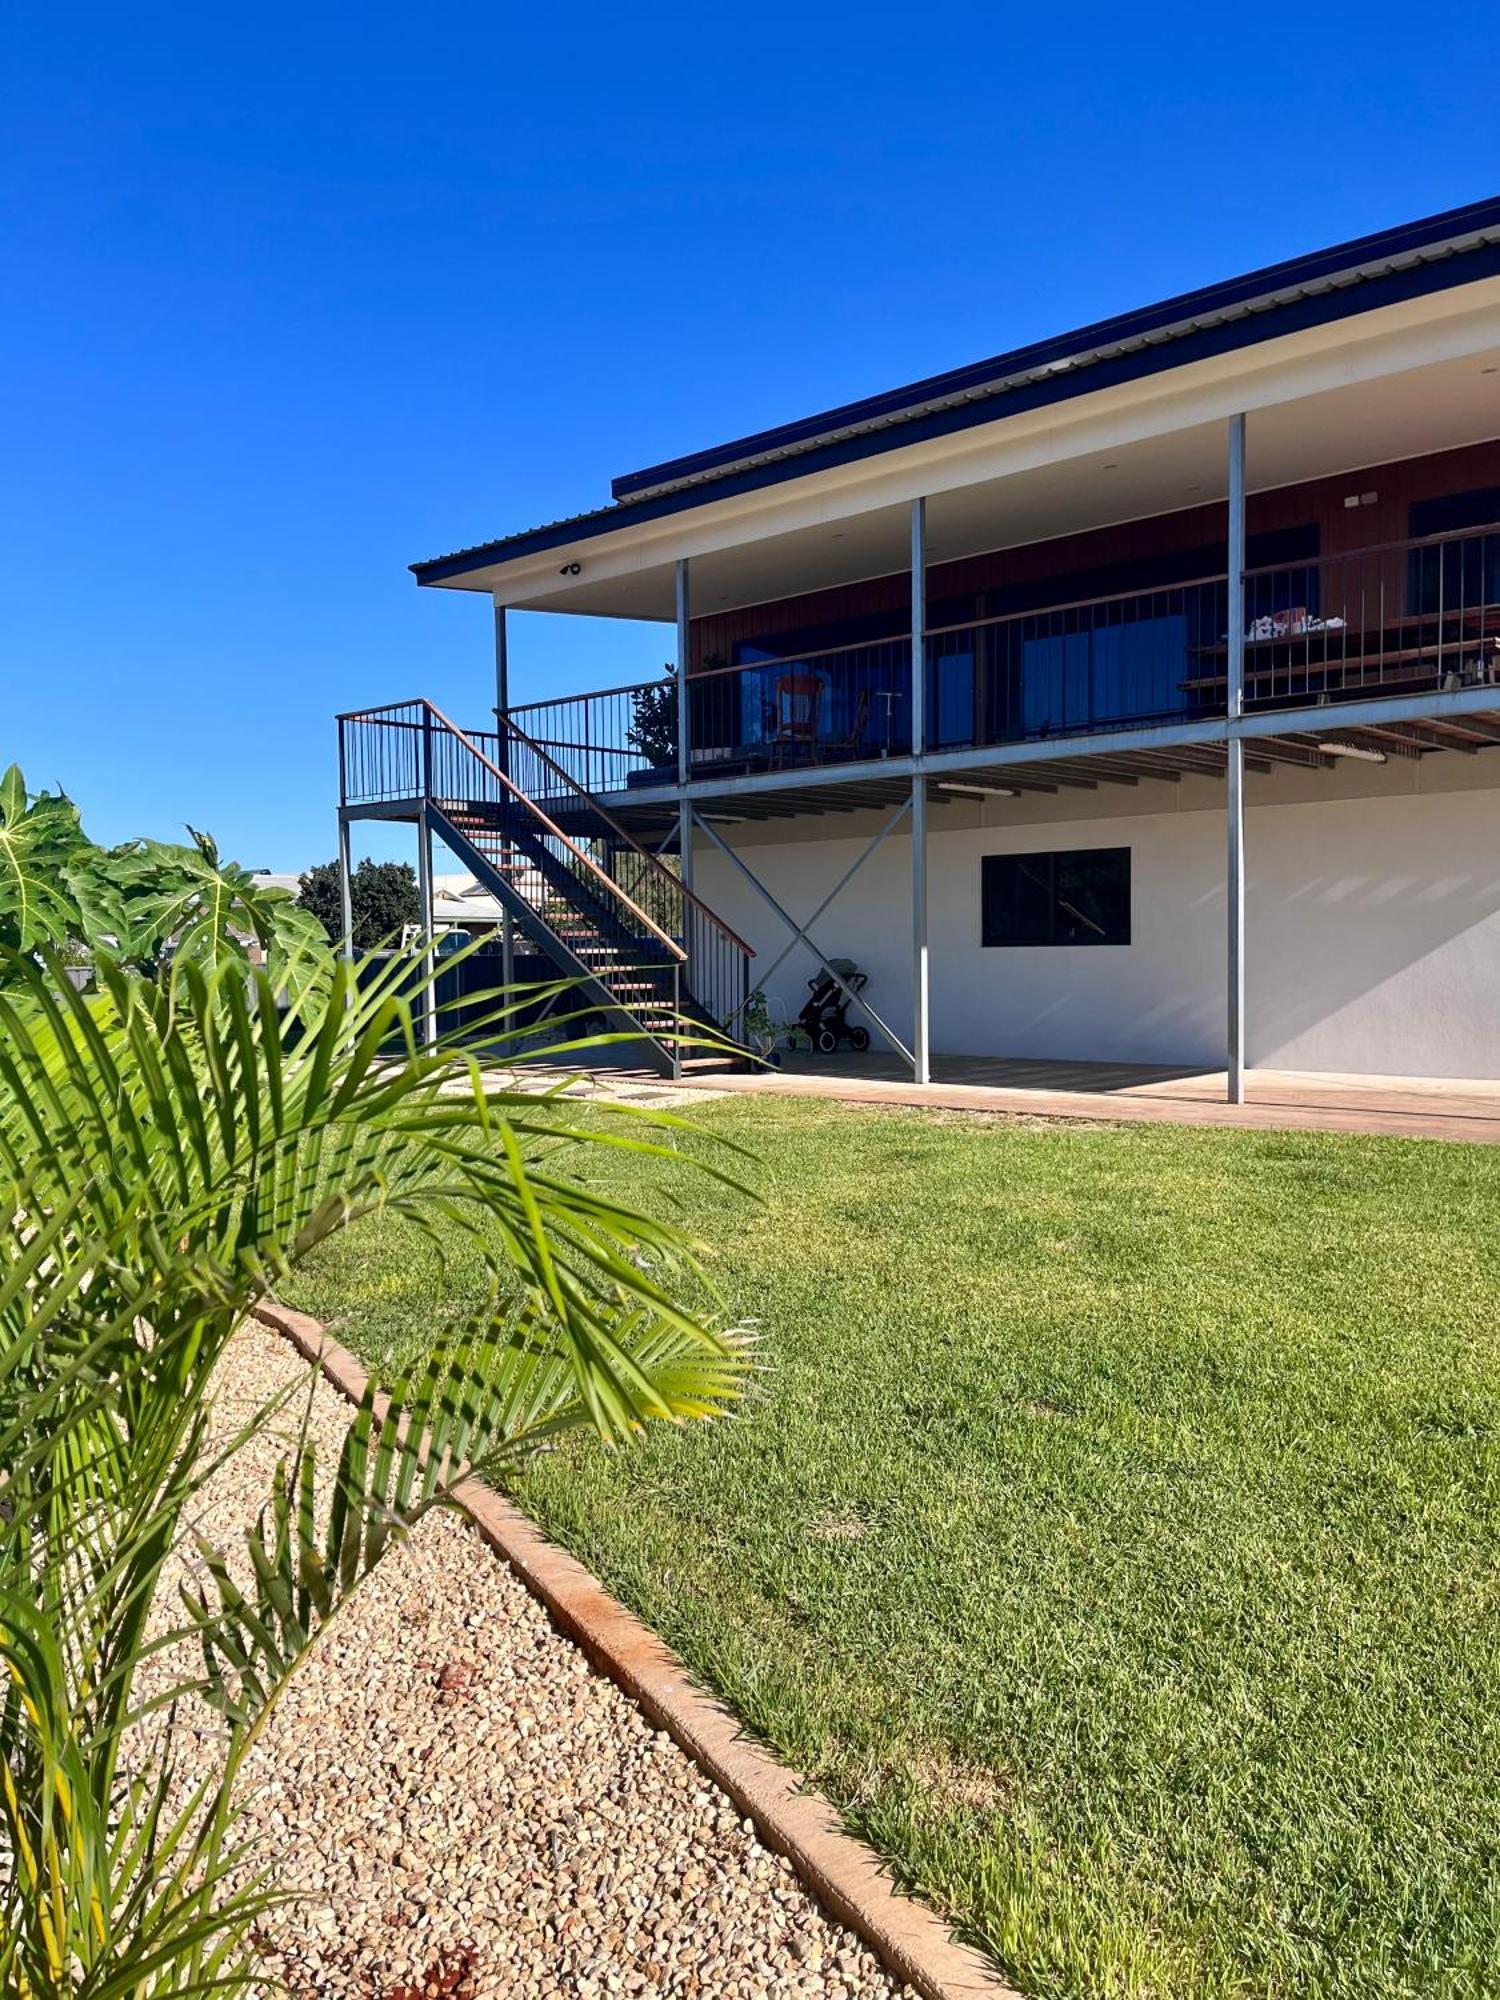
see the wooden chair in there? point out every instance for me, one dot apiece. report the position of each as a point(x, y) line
point(796, 704)
point(853, 743)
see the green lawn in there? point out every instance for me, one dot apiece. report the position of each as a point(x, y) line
point(1115, 1535)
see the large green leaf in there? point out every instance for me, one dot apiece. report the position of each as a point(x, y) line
point(164, 898)
point(39, 839)
point(479, 1403)
point(142, 903)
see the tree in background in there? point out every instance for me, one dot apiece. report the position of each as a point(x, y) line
point(653, 721)
point(383, 898)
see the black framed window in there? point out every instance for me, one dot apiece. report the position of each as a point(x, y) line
point(1454, 574)
point(1080, 896)
point(1046, 670)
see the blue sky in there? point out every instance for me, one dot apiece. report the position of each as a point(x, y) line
point(295, 297)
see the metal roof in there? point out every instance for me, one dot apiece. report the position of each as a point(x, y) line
point(1455, 247)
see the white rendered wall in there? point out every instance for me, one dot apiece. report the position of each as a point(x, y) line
point(1373, 922)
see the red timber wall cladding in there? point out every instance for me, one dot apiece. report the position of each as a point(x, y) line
point(1320, 501)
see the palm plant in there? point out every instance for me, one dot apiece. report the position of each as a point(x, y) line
point(169, 1148)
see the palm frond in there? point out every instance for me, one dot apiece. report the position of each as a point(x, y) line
point(170, 1149)
point(477, 1404)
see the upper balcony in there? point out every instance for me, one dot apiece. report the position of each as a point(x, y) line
point(1066, 509)
point(1403, 618)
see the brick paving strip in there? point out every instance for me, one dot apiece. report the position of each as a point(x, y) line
point(679, 1895)
point(1424, 1111)
point(1098, 1093)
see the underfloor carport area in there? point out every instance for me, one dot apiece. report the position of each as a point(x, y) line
point(1364, 887)
point(1275, 1100)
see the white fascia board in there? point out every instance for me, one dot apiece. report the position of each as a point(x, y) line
point(1392, 341)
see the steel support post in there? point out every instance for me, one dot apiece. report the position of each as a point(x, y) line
point(685, 817)
point(502, 758)
point(921, 1068)
point(346, 892)
point(684, 643)
point(684, 761)
point(1235, 767)
point(696, 982)
point(502, 688)
point(1235, 1064)
point(918, 627)
point(429, 955)
point(921, 1065)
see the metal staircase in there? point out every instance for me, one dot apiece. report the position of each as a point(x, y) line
point(645, 952)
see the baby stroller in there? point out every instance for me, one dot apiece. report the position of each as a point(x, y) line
point(824, 1020)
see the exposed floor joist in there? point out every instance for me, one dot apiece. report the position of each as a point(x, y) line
point(1409, 740)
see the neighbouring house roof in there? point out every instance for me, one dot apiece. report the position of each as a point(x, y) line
point(1432, 254)
point(459, 899)
point(456, 898)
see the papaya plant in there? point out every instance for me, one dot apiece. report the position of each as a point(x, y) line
point(142, 902)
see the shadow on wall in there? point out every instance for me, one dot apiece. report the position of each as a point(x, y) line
point(1390, 965)
point(1183, 1031)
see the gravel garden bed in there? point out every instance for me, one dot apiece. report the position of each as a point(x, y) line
point(472, 1810)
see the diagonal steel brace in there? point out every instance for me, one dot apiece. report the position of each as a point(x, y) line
point(800, 931)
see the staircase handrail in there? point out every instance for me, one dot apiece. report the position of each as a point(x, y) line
point(612, 887)
point(653, 861)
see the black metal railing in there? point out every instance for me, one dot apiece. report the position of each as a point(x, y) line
point(1400, 618)
point(410, 751)
point(1072, 669)
point(716, 971)
point(382, 754)
point(1405, 617)
point(590, 884)
point(1060, 670)
point(838, 705)
point(600, 741)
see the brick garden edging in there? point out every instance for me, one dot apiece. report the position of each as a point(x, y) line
point(843, 1873)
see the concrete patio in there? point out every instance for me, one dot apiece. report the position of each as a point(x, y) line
point(1276, 1100)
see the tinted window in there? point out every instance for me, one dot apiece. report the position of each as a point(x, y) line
point(1078, 897)
point(1457, 574)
